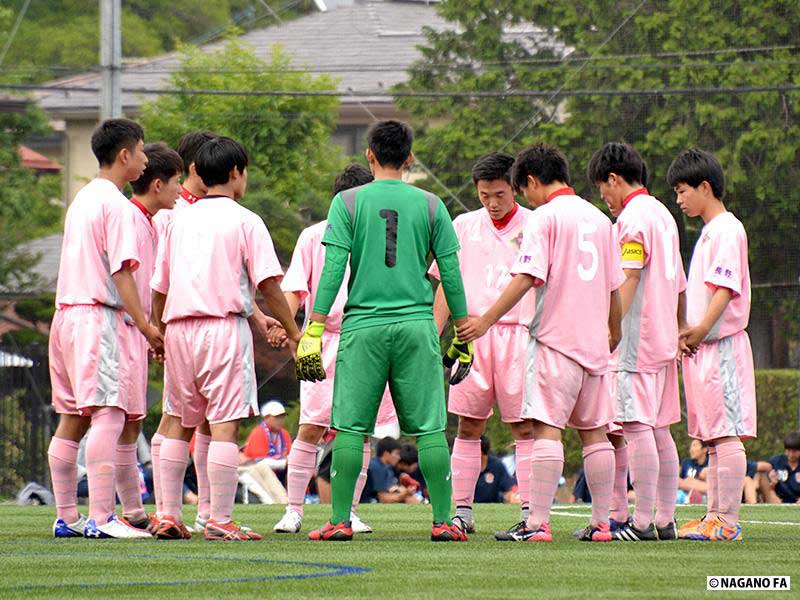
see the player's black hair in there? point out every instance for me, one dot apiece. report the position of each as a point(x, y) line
point(353, 175)
point(189, 145)
point(409, 454)
point(792, 441)
point(493, 166)
point(621, 159)
point(390, 142)
point(113, 135)
point(162, 163)
point(216, 159)
point(387, 444)
point(544, 162)
point(693, 167)
point(486, 445)
point(703, 443)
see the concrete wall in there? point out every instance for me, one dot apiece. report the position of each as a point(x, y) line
point(80, 165)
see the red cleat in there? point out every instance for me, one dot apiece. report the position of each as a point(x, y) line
point(444, 532)
point(341, 532)
point(229, 532)
point(169, 528)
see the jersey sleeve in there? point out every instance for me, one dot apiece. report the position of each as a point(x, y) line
point(261, 260)
point(339, 231)
point(725, 268)
point(534, 251)
point(120, 237)
point(444, 240)
point(633, 243)
point(160, 280)
point(434, 270)
point(298, 276)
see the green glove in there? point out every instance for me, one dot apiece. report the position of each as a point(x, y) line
point(461, 352)
point(309, 354)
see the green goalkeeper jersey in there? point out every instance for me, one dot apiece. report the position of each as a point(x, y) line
point(389, 227)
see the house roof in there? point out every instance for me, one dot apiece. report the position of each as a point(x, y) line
point(33, 160)
point(48, 248)
point(368, 45)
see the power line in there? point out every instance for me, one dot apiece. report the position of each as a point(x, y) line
point(14, 29)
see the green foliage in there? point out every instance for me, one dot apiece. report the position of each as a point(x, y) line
point(288, 139)
point(13, 434)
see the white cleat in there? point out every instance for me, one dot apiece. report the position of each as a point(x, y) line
point(199, 525)
point(62, 529)
point(114, 528)
point(358, 525)
point(291, 522)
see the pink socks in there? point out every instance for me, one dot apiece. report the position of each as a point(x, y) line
point(712, 495)
point(547, 463)
point(619, 498)
point(63, 458)
point(465, 466)
point(127, 483)
point(523, 451)
point(731, 471)
point(598, 464)
point(300, 468)
point(643, 455)
point(173, 460)
point(667, 477)
point(201, 442)
point(155, 451)
point(362, 476)
point(223, 462)
point(101, 450)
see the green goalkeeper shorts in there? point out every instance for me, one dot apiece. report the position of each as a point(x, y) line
point(407, 356)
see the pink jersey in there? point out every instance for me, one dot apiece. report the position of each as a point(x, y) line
point(99, 238)
point(164, 217)
point(486, 258)
point(213, 256)
point(302, 276)
point(569, 246)
point(147, 244)
point(720, 260)
point(650, 327)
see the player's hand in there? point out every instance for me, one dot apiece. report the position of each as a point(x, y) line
point(263, 324)
point(309, 354)
point(692, 337)
point(474, 328)
point(155, 339)
point(277, 337)
point(462, 353)
point(772, 476)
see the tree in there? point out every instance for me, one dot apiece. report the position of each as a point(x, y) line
point(288, 139)
point(666, 45)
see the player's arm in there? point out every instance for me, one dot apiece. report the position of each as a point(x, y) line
point(159, 301)
point(277, 334)
point(126, 286)
point(453, 287)
point(628, 289)
point(682, 324)
point(271, 290)
point(693, 336)
point(516, 290)
point(441, 312)
point(261, 322)
point(615, 320)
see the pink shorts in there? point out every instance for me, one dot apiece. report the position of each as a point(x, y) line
point(316, 398)
point(135, 350)
point(167, 405)
point(210, 370)
point(90, 357)
point(561, 393)
point(649, 398)
point(497, 375)
point(720, 389)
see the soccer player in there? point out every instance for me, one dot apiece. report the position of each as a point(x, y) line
point(644, 378)
point(155, 190)
point(490, 238)
point(88, 367)
point(214, 255)
point(570, 255)
point(718, 374)
point(300, 284)
point(387, 228)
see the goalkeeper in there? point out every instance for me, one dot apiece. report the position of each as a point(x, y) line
point(387, 228)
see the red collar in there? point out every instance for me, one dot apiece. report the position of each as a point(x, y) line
point(142, 208)
point(633, 194)
point(507, 219)
point(189, 196)
point(565, 191)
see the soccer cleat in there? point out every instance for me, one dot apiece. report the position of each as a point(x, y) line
point(62, 529)
point(691, 528)
point(464, 525)
point(113, 528)
point(613, 525)
point(341, 532)
point(357, 524)
point(510, 534)
point(442, 531)
point(229, 532)
point(199, 525)
point(717, 530)
point(601, 533)
point(170, 528)
point(148, 524)
point(291, 522)
point(630, 533)
point(669, 532)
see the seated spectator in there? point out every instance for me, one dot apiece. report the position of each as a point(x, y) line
point(408, 471)
point(263, 458)
point(782, 483)
point(494, 483)
point(692, 485)
point(382, 484)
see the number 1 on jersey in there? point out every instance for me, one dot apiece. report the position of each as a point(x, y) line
point(391, 236)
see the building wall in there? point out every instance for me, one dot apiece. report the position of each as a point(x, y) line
point(80, 166)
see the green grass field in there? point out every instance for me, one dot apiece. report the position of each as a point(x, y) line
point(396, 561)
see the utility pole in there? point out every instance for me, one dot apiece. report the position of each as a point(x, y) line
point(111, 58)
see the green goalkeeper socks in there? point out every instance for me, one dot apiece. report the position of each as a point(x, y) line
point(434, 460)
point(348, 454)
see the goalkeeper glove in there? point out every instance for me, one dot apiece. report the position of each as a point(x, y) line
point(309, 354)
point(461, 352)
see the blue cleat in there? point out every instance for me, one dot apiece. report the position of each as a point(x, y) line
point(62, 529)
point(90, 530)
